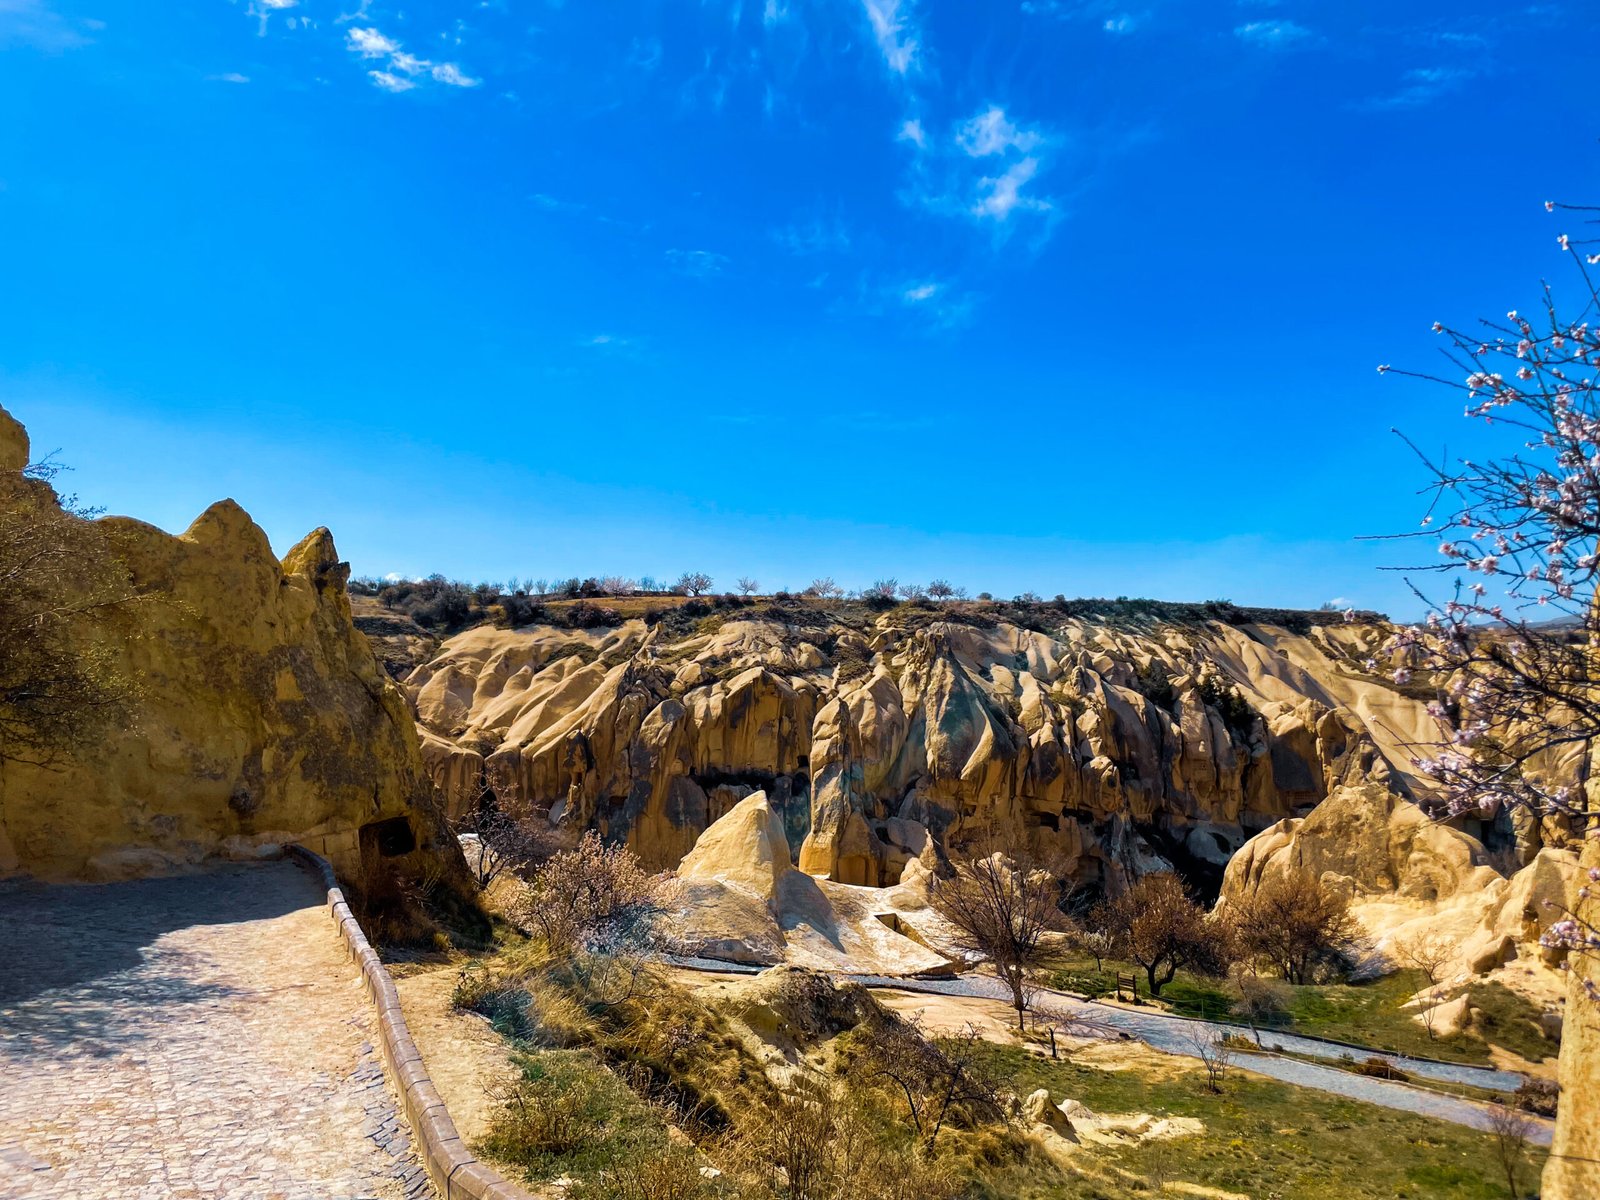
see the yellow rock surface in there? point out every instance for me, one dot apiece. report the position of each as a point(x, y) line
point(1079, 741)
point(262, 716)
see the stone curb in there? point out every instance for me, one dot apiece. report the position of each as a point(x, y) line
point(450, 1165)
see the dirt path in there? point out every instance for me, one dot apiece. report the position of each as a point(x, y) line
point(202, 1036)
point(466, 1058)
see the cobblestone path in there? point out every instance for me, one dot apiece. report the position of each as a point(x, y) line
point(202, 1036)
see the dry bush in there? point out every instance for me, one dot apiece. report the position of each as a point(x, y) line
point(60, 577)
point(824, 1141)
point(1296, 924)
point(1539, 1096)
point(592, 896)
point(673, 1174)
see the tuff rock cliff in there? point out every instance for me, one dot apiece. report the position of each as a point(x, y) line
point(260, 715)
point(879, 738)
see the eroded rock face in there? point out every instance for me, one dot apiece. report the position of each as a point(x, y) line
point(1119, 747)
point(261, 717)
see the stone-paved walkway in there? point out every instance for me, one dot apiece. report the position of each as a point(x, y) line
point(195, 1037)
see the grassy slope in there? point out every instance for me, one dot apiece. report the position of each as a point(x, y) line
point(1262, 1138)
point(1368, 1014)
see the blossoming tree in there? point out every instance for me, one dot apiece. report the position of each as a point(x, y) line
point(1513, 635)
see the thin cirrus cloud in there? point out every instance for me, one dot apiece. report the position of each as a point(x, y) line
point(894, 31)
point(1420, 87)
point(399, 71)
point(1272, 35)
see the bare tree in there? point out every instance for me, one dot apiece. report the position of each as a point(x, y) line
point(1002, 904)
point(913, 591)
point(881, 589)
point(940, 589)
point(748, 587)
point(1512, 1130)
point(1296, 924)
point(1159, 927)
point(541, 587)
point(935, 1079)
point(494, 842)
point(694, 582)
point(618, 585)
point(1214, 1053)
point(1425, 952)
point(1261, 1001)
point(1056, 1020)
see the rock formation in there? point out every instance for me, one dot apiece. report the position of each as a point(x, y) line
point(1118, 745)
point(261, 716)
point(741, 899)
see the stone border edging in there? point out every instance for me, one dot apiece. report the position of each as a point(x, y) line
point(455, 1173)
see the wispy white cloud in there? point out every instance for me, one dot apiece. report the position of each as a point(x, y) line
point(991, 132)
point(229, 77)
point(912, 131)
point(400, 70)
point(1108, 14)
point(1422, 86)
point(774, 12)
point(390, 82)
point(453, 75)
point(1274, 35)
point(701, 264)
point(920, 293)
point(369, 43)
point(896, 34)
point(1001, 195)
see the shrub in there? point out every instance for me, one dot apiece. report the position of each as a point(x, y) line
point(1537, 1096)
point(1381, 1068)
point(673, 1174)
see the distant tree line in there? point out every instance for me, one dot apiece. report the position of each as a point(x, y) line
point(449, 605)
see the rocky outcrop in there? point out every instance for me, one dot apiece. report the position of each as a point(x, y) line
point(1118, 746)
point(739, 898)
point(1366, 841)
point(260, 716)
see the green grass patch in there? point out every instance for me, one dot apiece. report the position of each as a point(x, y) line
point(1366, 1014)
point(568, 1115)
point(1262, 1138)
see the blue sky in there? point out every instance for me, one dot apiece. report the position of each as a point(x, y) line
point(1071, 297)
